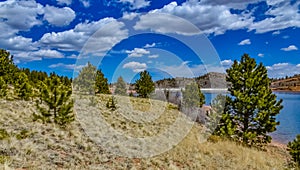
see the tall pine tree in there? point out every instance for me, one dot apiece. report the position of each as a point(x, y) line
point(101, 83)
point(121, 87)
point(253, 106)
point(144, 86)
point(85, 81)
point(90, 80)
point(192, 96)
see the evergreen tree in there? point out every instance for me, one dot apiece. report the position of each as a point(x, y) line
point(57, 103)
point(144, 86)
point(220, 121)
point(121, 87)
point(85, 81)
point(253, 106)
point(90, 80)
point(192, 96)
point(7, 67)
point(294, 150)
point(3, 87)
point(22, 86)
point(101, 83)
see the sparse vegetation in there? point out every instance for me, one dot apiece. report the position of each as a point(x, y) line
point(3, 134)
point(26, 144)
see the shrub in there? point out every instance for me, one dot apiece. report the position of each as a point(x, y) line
point(294, 150)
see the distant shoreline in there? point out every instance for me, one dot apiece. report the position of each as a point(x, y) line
point(286, 91)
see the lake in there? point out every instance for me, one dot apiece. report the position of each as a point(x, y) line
point(289, 116)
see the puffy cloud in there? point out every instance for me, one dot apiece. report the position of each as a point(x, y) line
point(108, 33)
point(260, 55)
point(153, 56)
point(136, 4)
point(19, 16)
point(18, 43)
point(135, 66)
point(208, 18)
point(290, 48)
point(129, 16)
point(37, 55)
point(47, 54)
point(283, 15)
point(59, 16)
point(283, 69)
point(137, 52)
point(245, 42)
point(64, 2)
point(165, 23)
point(226, 62)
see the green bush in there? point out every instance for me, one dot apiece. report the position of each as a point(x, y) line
point(3, 134)
point(111, 103)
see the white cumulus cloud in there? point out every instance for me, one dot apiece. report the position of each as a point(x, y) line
point(136, 4)
point(245, 42)
point(226, 62)
point(135, 66)
point(290, 48)
point(59, 16)
point(137, 52)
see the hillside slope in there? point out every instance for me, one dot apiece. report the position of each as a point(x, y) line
point(34, 145)
point(287, 84)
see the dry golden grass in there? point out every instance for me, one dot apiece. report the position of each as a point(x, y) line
point(46, 146)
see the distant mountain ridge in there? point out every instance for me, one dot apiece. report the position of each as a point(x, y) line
point(209, 80)
point(286, 84)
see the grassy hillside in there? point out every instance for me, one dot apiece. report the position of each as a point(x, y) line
point(287, 84)
point(33, 145)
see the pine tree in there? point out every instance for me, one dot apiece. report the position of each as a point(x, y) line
point(7, 67)
point(101, 83)
point(57, 103)
point(22, 86)
point(90, 80)
point(121, 87)
point(192, 96)
point(144, 86)
point(3, 87)
point(253, 106)
point(294, 150)
point(220, 121)
point(85, 81)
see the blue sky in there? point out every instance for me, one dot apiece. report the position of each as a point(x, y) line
point(168, 38)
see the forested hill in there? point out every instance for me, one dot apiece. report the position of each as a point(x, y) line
point(286, 84)
point(209, 80)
